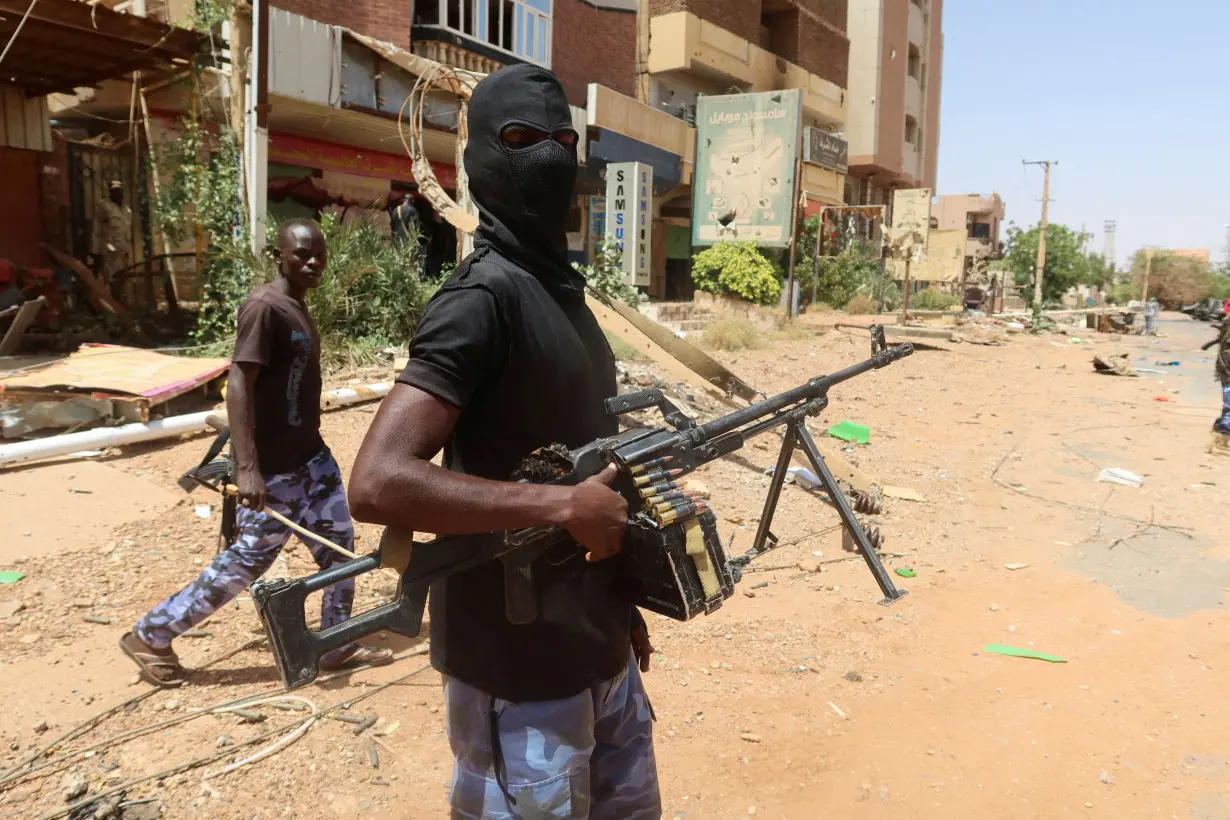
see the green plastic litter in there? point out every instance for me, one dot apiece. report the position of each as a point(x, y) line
point(849, 431)
point(1012, 651)
point(10, 577)
point(905, 572)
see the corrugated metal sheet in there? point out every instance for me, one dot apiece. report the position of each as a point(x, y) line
point(23, 121)
point(306, 58)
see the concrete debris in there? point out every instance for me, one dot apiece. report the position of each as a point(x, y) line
point(74, 785)
point(1119, 364)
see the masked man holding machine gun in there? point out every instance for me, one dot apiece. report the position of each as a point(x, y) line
point(547, 718)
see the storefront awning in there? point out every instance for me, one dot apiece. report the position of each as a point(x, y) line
point(65, 44)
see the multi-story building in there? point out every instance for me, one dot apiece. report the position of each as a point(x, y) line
point(694, 47)
point(979, 217)
point(896, 57)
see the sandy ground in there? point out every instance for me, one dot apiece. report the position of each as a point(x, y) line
point(802, 698)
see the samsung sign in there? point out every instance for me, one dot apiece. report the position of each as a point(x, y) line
point(629, 201)
point(827, 151)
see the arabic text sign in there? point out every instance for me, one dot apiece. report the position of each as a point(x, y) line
point(825, 150)
point(746, 155)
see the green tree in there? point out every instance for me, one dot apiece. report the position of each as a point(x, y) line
point(1220, 281)
point(1066, 263)
point(1173, 280)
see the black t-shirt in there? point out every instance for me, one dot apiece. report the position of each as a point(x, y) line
point(277, 333)
point(527, 367)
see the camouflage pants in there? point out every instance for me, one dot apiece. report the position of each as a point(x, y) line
point(314, 498)
point(588, 756)
point(1222, 425)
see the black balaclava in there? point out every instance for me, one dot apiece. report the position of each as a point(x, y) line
point(524, 195)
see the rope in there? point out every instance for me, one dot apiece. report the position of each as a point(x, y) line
point(17, 30)
point(200, 761)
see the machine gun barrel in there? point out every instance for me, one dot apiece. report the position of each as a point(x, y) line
point(814, 389)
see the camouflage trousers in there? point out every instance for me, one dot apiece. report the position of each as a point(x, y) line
point(314, 498)
point(588, 756)
point(1222, 425)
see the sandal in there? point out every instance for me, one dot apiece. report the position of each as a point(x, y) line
point(358, 655)
point(148, 662)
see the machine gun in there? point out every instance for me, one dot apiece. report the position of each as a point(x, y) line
point(671, 562)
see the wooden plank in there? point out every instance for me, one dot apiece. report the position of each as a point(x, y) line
point(98, 292)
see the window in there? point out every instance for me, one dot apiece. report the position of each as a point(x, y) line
point(914, 63)
point(520, 27)
point(980, 230)
point(911, 131)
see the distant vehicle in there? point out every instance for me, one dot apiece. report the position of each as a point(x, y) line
point(1209, 310)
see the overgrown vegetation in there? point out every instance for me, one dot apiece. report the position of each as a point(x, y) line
point(372, 294)
point(861, 305)
point(201, 192)
point(607, 276)
point(737, 269)
point(731, 333)
point(934, 299)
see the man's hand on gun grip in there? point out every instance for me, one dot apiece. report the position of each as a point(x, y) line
point(251, 489)
point(597, 516)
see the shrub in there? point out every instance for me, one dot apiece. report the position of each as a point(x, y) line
point(737, 269)
point(794, 331)
point(607, 275)
point(860, 305)
point(731, 333)
point(932, 299)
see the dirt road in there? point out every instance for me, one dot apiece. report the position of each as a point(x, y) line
point(801, 699)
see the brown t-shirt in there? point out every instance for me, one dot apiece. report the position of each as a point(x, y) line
point(276, 332)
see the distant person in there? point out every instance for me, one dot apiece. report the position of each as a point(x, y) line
point(1222, 369)
point(1151, 317)
point(273, 403)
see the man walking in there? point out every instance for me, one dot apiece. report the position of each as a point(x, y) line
point(273, 404)
point(548, 719)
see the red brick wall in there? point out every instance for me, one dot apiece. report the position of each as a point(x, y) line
point(387, 20)
point(741, 17)
point(809, 42)
point(592, 45)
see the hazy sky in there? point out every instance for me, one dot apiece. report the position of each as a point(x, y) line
point(1132, 98)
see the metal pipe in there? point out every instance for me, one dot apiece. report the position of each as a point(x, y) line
point(23, 451)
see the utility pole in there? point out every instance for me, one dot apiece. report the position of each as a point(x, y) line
point(1144, 289)
point(1046, 201)
point(1108, 249)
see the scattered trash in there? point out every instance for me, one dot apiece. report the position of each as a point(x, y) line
point(749, 737)
point(11, 577)
point(1105, 777)
point(386, 731)
point(1014, 327)
point(373, 756)
point(905, 572)
point(761, 585)
point(1118, 475)
point(1117, 365)
point(203, 511)
point(1015, 566)
point(1162, 398)
point(802, 476)
point(1076, 340)
point(365, 724)
point(80, 491)
point(86, 454)
point(196, 633)
point(849, 431)
point(837, 709)
point(1168, 364)
point(1016, 652)
point(94, 619)
point(902, 493)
